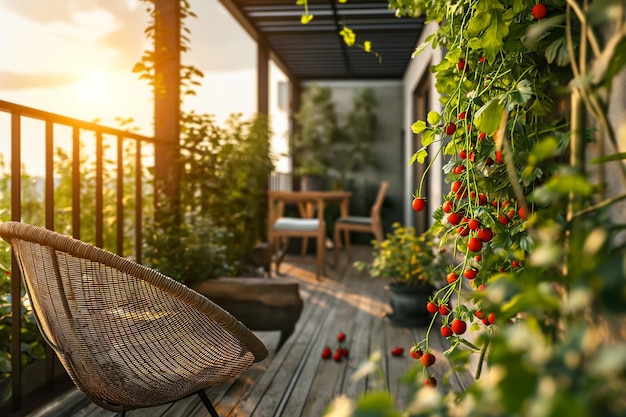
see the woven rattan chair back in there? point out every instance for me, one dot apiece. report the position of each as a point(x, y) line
point(128, 336)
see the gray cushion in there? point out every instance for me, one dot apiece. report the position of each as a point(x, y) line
point(296, 223)
point(355, 220)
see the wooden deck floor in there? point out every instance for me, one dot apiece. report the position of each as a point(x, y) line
point(296, 381)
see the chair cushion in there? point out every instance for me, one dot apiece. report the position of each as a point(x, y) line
point(296, 223)
point(355, 220)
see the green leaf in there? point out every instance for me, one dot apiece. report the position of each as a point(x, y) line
point(433, 117)
point(523, 93)
point(559, 186)
point(518, 6)
point(479, 22)
point(449, 149)
point(491, 24)
point(526, 243)
point(541, 107)
point(493, 39)
point(418, 127)
point(420, 49)
point(544, 149)
point(428, 137)
point(474, 43)
point(419, 156)
point(487, 118)
point(557, 52)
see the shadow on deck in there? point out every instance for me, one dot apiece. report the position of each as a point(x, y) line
point(296, 381)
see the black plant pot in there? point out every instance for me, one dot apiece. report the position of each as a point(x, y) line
point(408, 303)
point(312, 183)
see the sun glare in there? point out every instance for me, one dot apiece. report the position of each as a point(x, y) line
point(94, 87)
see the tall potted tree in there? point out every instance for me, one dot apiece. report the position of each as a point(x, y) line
point(317, 131)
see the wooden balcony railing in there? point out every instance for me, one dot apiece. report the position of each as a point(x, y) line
point(108, 188)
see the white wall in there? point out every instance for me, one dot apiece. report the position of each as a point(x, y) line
point(418, 67)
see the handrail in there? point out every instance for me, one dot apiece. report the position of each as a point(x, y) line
point(43, 115)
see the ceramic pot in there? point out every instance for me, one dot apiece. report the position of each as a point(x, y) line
point(408, 303)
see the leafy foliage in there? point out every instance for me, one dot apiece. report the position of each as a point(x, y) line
point(317, 130)
point(224, 172)
point(406, 257)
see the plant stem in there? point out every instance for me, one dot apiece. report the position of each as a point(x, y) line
point(481, 359)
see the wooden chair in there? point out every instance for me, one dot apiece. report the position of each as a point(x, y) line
point(128, 336)
point(362, 224)
point(281, 227)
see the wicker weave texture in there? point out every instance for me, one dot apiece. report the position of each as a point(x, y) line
point(128, 336)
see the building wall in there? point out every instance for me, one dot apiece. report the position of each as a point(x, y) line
point(416, 71)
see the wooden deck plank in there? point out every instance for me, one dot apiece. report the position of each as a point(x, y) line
point(368, 312)
point(327, 376)
point(291, 370)
point(266, 393)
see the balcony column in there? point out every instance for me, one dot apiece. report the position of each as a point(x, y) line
point(263, 110)
point(294, 107)
point(263, 76)
point(167, 103)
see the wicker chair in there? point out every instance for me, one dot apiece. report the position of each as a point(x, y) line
point(128, 336)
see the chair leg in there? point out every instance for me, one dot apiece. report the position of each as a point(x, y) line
point(207, 403)
point(378, 232)
point(284, 335)
point(321, 251)
point(337, 244)
point(346, 239)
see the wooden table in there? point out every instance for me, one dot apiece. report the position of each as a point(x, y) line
point(308, 202)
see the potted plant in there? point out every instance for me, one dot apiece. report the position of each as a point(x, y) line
point(316, 133)
point(414, 264)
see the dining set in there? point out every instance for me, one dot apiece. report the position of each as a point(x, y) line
point(310, 223)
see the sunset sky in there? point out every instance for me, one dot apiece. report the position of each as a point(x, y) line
point(75, 58)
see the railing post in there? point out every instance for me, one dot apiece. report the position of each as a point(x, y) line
point(119, 193)
point(16, 282)
point(76, 182)
point(99, 191)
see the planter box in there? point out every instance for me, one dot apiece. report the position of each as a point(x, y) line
point(262, 304)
